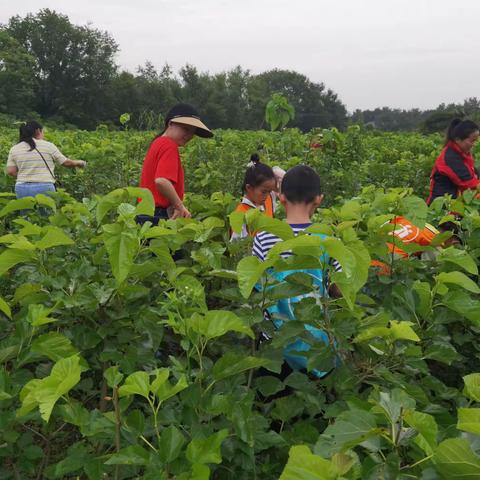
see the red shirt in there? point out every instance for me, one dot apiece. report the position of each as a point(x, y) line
point(163, 161)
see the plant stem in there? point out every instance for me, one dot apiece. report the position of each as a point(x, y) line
point(117, 426)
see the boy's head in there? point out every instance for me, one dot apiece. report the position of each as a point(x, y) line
point(301, 186)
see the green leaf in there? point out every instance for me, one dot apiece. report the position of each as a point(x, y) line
point(232, 364)
point(458, 278)
point(39, 315)
point(403, 331)
point(441, 351)
point(5, 308)
point(206, 450)
point(415, 209)
point(469, 420)
point(19, 204)
point(165, 390)
point(427, 429)
point(132, 455)
point(113, 376)
point(396, 331)
point(76, 457)
point(424, 293)
point(157, 232)
point(54, 346)
point(46, 201)
point(343, 463)
point(472, 386)
point(216, 323)
point(460, 258)
point(236, 221)
point(249, 271)
point(259, 222)
point(46, 392)
point(138, 383)
point(454, 459)
point(461, 302)
point(121, 195)
point(394, 402)
point(351, 210)
point(353, 427)
point(304, 465)
point(122, 246)
point(11, 257)
point(54, 238)
point(171, 443)
point(199, 472)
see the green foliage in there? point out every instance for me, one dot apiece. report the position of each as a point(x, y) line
point(77, 91)
point(119, 361)
point(16, 77)
point(278, 112)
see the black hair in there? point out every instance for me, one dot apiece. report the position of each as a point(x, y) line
point(301, 184)
point(461, 129)
point(257, 173)
point(178, 110)
point(27, 132)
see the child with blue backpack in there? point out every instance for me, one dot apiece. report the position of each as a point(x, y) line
point(301, 196)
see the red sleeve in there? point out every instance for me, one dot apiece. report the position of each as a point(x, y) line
point(168, 165)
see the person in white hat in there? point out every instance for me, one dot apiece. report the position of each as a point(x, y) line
point(162, 171)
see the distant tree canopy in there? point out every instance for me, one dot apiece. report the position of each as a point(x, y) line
point(67, 73)
point(427, 121)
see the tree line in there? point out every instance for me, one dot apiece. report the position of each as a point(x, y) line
point(427, 121)
point(66, 73)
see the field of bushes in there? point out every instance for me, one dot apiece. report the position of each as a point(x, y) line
point(119, 362)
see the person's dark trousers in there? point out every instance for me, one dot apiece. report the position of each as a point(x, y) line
point(159, 214)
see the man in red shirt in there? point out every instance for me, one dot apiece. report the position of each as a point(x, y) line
point(162, 171)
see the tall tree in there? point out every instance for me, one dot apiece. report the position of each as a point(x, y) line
point(74, 65)
point(16, 77)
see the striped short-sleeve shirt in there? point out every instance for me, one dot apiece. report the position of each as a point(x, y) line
point(265, 241)
point(30, 165)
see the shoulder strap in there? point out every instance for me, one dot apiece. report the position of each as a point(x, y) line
point(46, 164)
point(269, 206)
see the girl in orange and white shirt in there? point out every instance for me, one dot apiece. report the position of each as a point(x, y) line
point(260, 188)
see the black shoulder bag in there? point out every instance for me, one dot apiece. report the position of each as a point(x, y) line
point(55, 181)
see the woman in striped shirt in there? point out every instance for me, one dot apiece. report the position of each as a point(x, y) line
point(32, 161)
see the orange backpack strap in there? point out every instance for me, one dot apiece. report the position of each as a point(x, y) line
point(269, 206)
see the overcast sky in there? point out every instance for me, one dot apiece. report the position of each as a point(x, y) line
point(398, 53)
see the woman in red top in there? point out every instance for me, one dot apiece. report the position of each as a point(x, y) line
point(162, 171)
point(454, 171)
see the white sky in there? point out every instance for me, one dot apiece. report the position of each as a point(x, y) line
point(398, 53)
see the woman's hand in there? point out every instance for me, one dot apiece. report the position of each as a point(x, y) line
point(74, 163)
point(179, 211)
